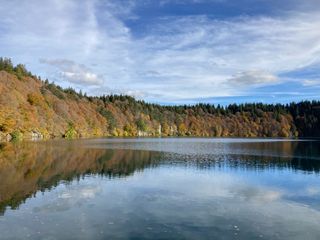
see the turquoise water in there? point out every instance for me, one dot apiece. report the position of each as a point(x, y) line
point(171, 188)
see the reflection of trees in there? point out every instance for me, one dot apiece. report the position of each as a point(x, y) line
point(28, 167)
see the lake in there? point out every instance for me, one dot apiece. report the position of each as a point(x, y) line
point(160, 188)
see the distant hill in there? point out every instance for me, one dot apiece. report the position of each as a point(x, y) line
point(33, 108)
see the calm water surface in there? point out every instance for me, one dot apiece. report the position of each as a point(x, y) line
point(160, 189)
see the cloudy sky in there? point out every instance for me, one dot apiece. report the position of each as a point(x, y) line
point(170, 51)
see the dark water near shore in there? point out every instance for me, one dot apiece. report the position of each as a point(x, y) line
point(188, 188)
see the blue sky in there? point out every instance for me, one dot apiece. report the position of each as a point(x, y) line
point(170, 51)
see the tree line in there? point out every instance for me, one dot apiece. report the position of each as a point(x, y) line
point(123, 115)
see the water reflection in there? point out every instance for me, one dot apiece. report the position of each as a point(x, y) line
point(160, 188)
point(29, 167)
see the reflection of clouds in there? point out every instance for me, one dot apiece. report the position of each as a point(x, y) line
point(223, 185)
point(89, 192)
point(313, 190)
point(185, 199)
point(308, 195)
point(258, 195)
point(65, 195)
point(222, 200)
point(271, 195)
point(83, 193)
point(70, 197)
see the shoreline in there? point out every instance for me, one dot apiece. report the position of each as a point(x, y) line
point(267, 139)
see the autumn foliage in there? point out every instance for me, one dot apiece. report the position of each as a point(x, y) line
point(32, 107)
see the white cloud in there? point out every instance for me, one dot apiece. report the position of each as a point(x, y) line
point(196, 56)
point(81, 77)
point(175, 58)
point(73, 72)
point(253, 77)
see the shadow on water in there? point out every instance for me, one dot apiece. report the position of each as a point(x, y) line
point(29, 167)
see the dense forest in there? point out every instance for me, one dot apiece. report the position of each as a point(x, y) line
point(36, 108)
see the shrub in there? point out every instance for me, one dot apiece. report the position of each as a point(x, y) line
point(16, 135)
point(35, 99)
point(71, 132)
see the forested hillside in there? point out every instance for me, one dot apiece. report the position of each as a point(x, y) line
point(33, 108)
